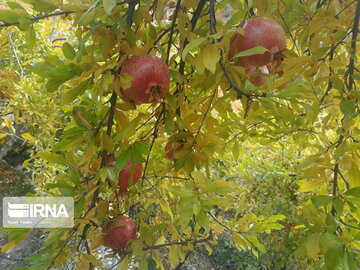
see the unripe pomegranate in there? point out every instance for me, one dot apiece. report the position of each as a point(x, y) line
point(259, 31)
point(170, 148)
point(118, 232)
point(130, 169)
point(150, 79)
point(257, 80)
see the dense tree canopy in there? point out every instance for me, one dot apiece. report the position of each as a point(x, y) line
point(281, 157)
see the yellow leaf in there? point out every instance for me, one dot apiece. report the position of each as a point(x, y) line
point(173, 256)
point(192, 45)
point(312, 246)
point(9, 125)
point(108, 143)
point(210, 57)
point(14, 243)
point(122, 119)
point(28, 137)
point(3, 135)
point(124, 264)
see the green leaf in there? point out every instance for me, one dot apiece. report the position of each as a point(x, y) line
point(203, 221)
point(130, 36)
point(176, 76)
point(355, 192)
point(68, 51)
point(30, 37)
point(192, 45)
point(42, 5)
point(142, 147)
point(332, 257)
point(14, 5)
point(321, 200)
point(236, 18)
point(210, 57)
point(339, 206)
point(143, 264)
point(109, 5)
point(347, 107)
point(252, 51)
point(236, 150)
point(128, 130)
point(312, 246)
point(71, 95)
point(51, 157)
point(8, 16)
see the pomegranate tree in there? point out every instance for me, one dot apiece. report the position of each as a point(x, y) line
point(259, 31)
point(257, 79)
point(129, 176)
point(117, 233)
point(150, 79)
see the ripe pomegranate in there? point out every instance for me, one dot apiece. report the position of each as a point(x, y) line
point(150, 79)
point(118, 232)
point(130, 169)
point(259, 31)
point(257, 80)
point(170, 148)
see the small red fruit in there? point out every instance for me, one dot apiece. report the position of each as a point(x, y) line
point(259, 31)
point(118, 232)
point(170, 148)
point(150, 79)
point(130, 169)
point(257, 80)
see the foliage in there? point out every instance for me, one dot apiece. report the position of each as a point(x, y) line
point(73, 105)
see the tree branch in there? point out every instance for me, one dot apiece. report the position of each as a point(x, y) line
point(194, 20)
point(6, 24)
point(239, 92)
point(335, 179)
point(179, 243)
point(203, 120)
point(355, 31)
point(177, 8)
point(346, 224)
point(34, 19)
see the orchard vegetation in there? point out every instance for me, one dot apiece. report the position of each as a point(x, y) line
point(172, 122)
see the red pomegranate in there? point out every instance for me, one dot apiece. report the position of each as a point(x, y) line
point(259, 31)
point(130, 169)
point(170, 148)
point(257, 80)
point(118, 233)
point(150, 79)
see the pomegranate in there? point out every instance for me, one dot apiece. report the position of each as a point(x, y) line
point(257, 80)
point(130, 169)
point(170, 148)
point(150, 79)
point(118, 233)
point(259, 31)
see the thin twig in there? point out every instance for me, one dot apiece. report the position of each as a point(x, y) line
point(34, 19)
point(156, 128)
point(222, 224)
point(52, 32)
point(6, 24)
point(355, 30)
point(203, 120)
point(22, 139)
point(292, 37)
point(22, 73)
point(179, 243)
point(351, 226)
point(177, 8)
